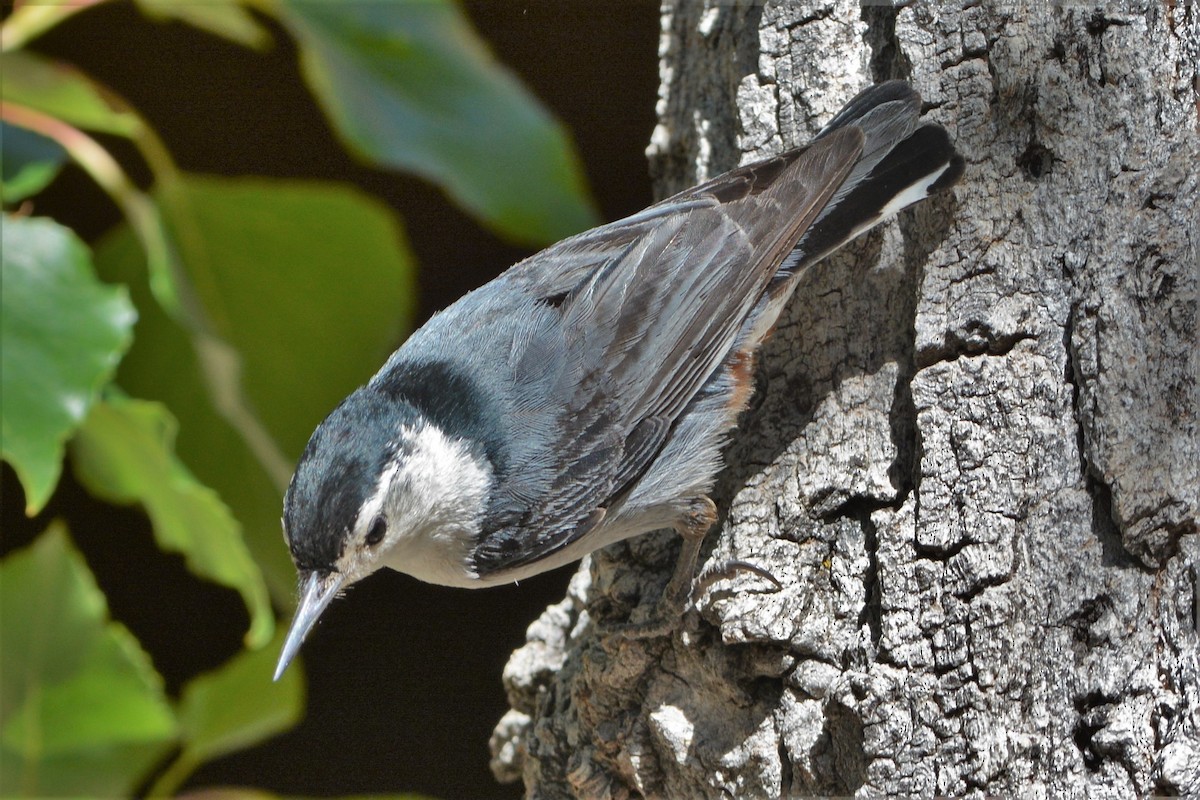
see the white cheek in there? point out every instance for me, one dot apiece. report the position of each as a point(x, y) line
point(434, 502)
point(359, 560)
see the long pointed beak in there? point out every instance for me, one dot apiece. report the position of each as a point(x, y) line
point(318, 590)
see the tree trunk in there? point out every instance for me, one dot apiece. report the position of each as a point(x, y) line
point(976, 463)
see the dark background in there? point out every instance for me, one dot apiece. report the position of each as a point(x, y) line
point(404, 678)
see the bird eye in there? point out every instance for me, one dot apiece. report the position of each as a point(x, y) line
point(378, 529)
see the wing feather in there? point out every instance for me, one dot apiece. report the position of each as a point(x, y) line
point(652, 306)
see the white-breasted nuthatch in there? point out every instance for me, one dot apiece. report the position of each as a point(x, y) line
point(584, 396)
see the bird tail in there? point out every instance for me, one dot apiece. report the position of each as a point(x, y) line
point(901, 163)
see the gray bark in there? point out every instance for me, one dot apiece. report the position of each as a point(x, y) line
point(976, 467)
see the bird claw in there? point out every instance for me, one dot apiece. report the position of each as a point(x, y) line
point(728, 569)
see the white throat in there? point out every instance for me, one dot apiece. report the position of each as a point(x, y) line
point(434, 498)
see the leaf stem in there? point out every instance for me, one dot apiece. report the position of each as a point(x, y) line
point(169, 781)
point(31, 20)
point(220, 363)
point(99, 164)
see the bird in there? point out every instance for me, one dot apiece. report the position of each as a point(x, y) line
point(586, 394)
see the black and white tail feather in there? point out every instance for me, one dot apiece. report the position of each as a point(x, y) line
point(901, 164)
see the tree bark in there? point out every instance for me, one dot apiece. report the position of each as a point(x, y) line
point(976, 464)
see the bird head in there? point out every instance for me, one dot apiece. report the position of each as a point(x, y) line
point(379, 485)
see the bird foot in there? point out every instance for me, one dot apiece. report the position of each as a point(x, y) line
point(674, 603)
point(685, 585)
point(728, 569)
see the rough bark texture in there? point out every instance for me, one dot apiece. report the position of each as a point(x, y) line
point(976, 465)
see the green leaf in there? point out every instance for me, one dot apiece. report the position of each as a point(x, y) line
point(330, 265)
point(231, 709)
point(124, 453)
point(83, 710)
point(63, 92)
point(410, 86)
point(224, 18)
point(238, 705)
point(61, 336)
point(28, 162)
point(312, 283)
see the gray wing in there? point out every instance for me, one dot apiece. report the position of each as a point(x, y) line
point(650, 308)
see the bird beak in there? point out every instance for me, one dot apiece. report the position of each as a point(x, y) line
point(316, 592)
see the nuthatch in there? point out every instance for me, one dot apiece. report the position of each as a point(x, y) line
point(585, 395)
